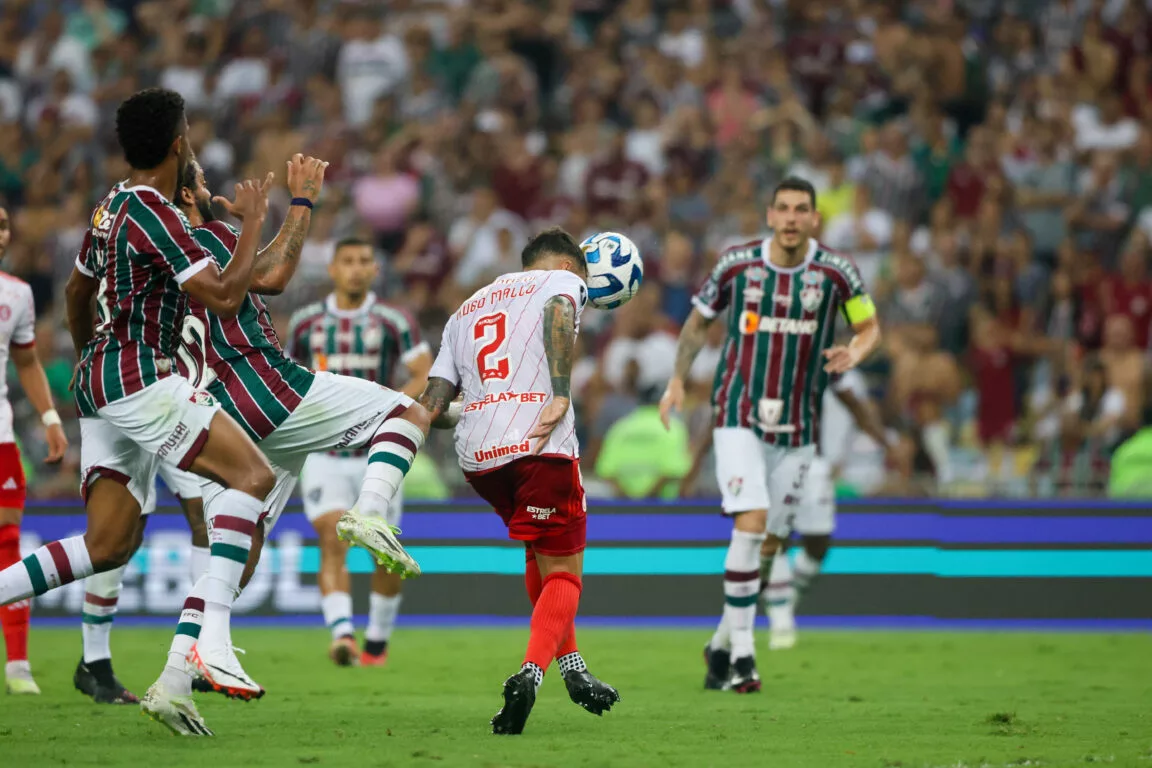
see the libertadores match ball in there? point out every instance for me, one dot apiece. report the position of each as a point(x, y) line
point(615, 269)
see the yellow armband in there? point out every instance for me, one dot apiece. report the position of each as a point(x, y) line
point(859, 308)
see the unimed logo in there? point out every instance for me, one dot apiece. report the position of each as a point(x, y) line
point(500, 451)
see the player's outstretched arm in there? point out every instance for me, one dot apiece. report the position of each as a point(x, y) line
point(692, 338)
point(223, 291)
point(560, 351)
point(276, 263)
point(79, 295)
point(438, 400)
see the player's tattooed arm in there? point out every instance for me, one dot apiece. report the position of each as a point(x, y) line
point(438, 400)
point(692, 338)
point(560, 343)
point(276, 263)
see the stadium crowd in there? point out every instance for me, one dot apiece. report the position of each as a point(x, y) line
point(988, 163)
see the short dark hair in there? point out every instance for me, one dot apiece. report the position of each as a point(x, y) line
point(552, 241)
point(350, 242)
point(147, 123)
point(795, 184)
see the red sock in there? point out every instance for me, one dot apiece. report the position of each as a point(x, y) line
point(534, 585)
point(14, 617)
point(553, 617)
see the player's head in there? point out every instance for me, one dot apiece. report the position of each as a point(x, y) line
point(353, 268)
point(194, 198)
point(554, 249)
point(792, 213)
point(152, 129)
point(5, 231)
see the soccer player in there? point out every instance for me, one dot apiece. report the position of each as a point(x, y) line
point(847, 407)
point(509, 349)
point(353, 333)
point(94, 676)
point(292, 412)
point(125, 298)
point(18, 339)
point(784, 293)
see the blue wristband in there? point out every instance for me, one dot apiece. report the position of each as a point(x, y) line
point(301, 201)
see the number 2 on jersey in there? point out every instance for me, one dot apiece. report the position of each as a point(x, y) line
point(491, 334)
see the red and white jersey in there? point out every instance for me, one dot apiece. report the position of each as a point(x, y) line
point(493, 350)
point(17, 329)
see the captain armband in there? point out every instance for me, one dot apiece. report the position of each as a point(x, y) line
point(859, 308)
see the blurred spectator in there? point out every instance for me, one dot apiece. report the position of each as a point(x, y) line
point(988, 165)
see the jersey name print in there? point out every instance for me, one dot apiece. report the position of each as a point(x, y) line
point(493, 350)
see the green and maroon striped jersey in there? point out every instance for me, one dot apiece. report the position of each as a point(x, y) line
point(140, 249)
point(370, 342)
point(243, 365)
point(779, 324)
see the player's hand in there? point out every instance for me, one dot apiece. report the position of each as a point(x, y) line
point(549, 418)
point(306, 176)
point(840, 359)
point(671, 400)
point(57, 443)
point(251, 199)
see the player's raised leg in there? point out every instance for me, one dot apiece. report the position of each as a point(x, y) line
point(391, 451)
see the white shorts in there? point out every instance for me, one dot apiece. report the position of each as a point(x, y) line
point(332, 484)
point(183, 485)
point(338, 413)
point(754, 475)
point(107, 452)
point(274, 503)
point(168, 419)
point(816, 514)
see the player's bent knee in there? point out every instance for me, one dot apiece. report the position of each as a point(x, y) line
point(419, 416)
point(752, 521)
point(109, 551)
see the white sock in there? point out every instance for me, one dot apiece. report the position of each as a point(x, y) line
point(742, 590)
point(175, 676)
point(722, 637)
point(199, 562)
point(382, 612)
point(233, 517)
point(935, 439)
point(390, 456)
point(101, 594)
point(53, 565)
point(780, 594)
point(806, 569)
point(337, 610)
point(536, 672)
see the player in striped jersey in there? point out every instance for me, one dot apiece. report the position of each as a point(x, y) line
point(353, 333)
point(291, 411)
point(783, 295)
point(125, 298)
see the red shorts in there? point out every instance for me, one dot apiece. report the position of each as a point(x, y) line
point(540, 499)
point(12, 488)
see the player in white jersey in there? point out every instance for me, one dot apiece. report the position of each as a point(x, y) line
point(353, 333)
point(509, 351)
point(18, 341)
point(846, 409)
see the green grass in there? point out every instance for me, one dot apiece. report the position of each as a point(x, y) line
point(838, 699)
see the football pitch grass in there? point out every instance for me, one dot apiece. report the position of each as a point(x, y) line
point(838, 699)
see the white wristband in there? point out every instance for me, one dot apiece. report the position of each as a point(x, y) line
point(50, 418)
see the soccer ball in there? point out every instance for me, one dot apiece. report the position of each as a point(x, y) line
point(615, 270)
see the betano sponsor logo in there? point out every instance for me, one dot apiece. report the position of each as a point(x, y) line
point(495, 398)
point(500, 451)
